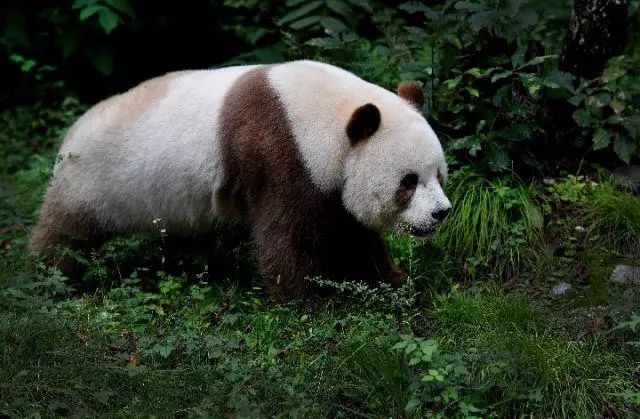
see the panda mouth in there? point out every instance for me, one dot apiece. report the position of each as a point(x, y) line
point(422, 232)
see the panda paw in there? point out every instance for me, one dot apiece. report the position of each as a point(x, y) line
point(396, 278)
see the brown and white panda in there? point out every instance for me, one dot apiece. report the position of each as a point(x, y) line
point(315, 159)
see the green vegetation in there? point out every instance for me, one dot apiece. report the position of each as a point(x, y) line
point(478, 331)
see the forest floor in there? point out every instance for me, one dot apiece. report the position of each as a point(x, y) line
point(136, 339)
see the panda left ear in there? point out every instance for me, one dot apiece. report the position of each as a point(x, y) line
point(364, 122)
point(412, 93)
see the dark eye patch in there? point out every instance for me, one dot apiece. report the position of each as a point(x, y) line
point(440, 179)
point(409, 181)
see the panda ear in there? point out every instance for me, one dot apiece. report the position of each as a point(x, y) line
point(364, 122)
point(412, 93)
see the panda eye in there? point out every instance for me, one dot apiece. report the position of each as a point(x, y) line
point(410, 181)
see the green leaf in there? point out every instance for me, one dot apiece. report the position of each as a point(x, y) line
point(624, 148)
point(536, 61)
point(498, 159)
point(600, 99)
point(632, 125)
point(453, 83)
point(108, 20)
point(121, 6)
point(601, 139)
point(501, 75)
point(69, 40)
point(304, 22)
point(583, 118)
point(472, 91)
point(410, 347)
point(101, 57)
point(333, 25)
point(87, 12)
point(560, 80)
point(612, 72)
point(400, 345)
point(475, 72)
point(300, 12)
point(414, 7)
point(341, 8)
point(414, 361)
point(517, 59)
point(617, 106)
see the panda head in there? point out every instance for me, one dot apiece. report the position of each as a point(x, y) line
point(395, 170)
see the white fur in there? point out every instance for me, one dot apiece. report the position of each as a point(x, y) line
point(163, 164)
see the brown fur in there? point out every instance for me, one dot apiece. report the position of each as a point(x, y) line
point(364, 122)
point(299, 231)
point(58, 226)
point(412, 93)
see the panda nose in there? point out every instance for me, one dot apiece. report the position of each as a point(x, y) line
point(441, 214)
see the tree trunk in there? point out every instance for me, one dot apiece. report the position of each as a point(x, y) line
point(597, 32)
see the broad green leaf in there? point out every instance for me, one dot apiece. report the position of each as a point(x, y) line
point(400, 345)
point(560, 80)
point(599, 99)
point(108, 20)
point(501, 75)
point(333, 25)
point(304, 22)
point(613, 72)
point(87, 12)
point(624, 148)
point(16, 27)
point(300, 12)
point(517, 59)
point(498, 159)
point(472, 91)
point(410, 347)
point(342, 8)
point(453, 83)
point(617, 106)
point(576, 100)
point(475, 72)
point(601, 138)
point(121, 6)
point(101, 57)
point(536, 61)
point(632, 125)
point(583, 117)
point(69, 40)
point(414, 361)
point(414, 7)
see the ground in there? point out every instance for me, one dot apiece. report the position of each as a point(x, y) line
point(477, 332)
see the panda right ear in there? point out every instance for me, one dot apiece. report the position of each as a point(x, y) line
point(364, 122)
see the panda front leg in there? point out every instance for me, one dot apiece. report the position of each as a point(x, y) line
point(285, 264)
point(373, 259)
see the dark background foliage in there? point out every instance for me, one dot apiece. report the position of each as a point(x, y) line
point(522, 304)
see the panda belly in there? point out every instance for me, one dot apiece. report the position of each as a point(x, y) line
point(149, 155)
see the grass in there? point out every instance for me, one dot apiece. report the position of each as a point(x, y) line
point(615, 217)
point(495, 227)
point(149, 343)
point(558, 376)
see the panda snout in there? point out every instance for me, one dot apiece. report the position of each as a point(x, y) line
point(441, 214)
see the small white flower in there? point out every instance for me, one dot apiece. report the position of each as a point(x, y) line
point(579, 229)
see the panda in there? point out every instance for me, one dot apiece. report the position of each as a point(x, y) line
point(315, 160)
